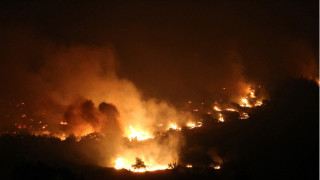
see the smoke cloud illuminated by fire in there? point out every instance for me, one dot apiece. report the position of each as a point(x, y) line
point(76, 91)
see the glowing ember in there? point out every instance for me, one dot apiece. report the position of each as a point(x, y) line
point(217, 167)
point(216, 108)
point(140, 136)
point(244, 115)
point(230, 109)
point(63, 123)
point(189, 165)
point(258, 103)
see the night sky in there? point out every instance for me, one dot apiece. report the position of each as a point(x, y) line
point(174, 50)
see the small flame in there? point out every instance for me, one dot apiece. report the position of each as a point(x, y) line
point(191, 125)
point(189, 165)
point(230, 109)
point(252, 93)
point(258, 103)
point(216, 108)
point(63, 123)
point(244, 115)
point(221, 118)
point(174, 126)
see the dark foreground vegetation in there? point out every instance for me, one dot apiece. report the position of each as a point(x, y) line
point(278, 141)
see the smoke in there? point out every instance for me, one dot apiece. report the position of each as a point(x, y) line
point(75, 91)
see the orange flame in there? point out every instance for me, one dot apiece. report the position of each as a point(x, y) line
point(140, 136)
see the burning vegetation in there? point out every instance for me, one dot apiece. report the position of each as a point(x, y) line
point(138, 144)
point(182, 90)
point(128, 131)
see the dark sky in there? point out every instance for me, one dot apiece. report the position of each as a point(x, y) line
point(173, 49)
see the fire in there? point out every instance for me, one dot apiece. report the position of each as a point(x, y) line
point(258, 103)
point(119, 163)
point(245, 102)
point(251, 100)
point(217, 167)
point(63, 123)
point(252, 93)
point(230, 109)
point(192, 125)
point(244, 115)
point(127, 164)
point(216, 108)
point(174, 126)
point(221, 118)
point(140, 136)
point(189, 165)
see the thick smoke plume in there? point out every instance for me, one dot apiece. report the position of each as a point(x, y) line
point(75, 91)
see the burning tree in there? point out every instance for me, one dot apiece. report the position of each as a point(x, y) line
point(139, 164)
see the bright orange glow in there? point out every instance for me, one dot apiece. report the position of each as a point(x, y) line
point(122, 163)
point(245, 102)
point(174, 126)
point(189, 165)
point(258, 103)
point(244, 115)
point(230, 109)
point(252, 93)
point(192, 125)
point(140, 136)
point(119, 163)
point(216, 108)
point(63, 123)
point(221, 118)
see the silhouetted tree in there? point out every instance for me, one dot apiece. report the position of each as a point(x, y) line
point(139, 164)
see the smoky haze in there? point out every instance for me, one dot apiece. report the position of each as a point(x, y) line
point(175, 51)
